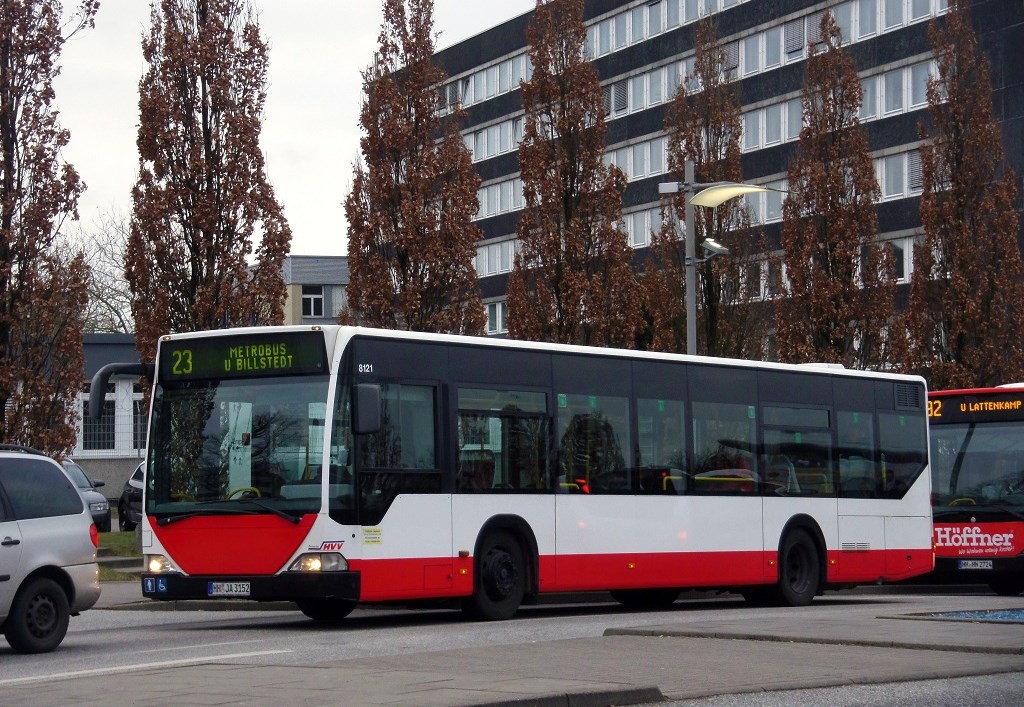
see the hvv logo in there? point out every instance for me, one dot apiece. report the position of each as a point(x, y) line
point(328, 546)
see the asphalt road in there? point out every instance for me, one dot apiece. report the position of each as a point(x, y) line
point(863, 648)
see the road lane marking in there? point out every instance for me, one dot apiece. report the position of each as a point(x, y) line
point(137, 666)
point(200, 645)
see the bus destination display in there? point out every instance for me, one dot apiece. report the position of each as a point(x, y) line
point(286, 353)
point(976, 408)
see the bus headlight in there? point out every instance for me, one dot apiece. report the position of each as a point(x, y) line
point(159, 564)
point(319, 562)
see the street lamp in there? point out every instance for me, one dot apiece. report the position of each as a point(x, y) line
point(708, 195)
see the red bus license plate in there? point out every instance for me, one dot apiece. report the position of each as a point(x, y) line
point(228, 589)
point(974, 564)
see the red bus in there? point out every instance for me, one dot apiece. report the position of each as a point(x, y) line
point(333, 465)
point(977, 456)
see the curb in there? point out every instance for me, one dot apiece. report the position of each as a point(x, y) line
point(604, 698)
point(732, 635)
point(203, 605)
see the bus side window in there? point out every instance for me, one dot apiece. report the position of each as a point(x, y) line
point(723, 437)
point(901, 439)
point(859, 476)
point(476, 470)
point(593, 444)
point(661, 428)
point(591, 454)
point(502, 440)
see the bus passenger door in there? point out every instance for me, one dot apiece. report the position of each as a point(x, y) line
point(406, 533)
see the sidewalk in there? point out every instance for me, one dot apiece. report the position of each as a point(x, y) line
point(848, 642)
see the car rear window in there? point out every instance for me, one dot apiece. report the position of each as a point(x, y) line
point(38, 489)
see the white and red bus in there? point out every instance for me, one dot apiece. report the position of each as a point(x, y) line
point(977, 456)
point(333, 465)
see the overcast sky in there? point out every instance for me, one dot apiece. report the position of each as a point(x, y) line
point(310, 130)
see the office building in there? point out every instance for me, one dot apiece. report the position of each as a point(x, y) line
point(643, 49)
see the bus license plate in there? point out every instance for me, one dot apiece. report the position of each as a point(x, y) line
point(974, 564)
point(228, 589)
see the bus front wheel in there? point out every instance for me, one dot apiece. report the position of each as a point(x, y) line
point(499, 581)
point(326, 610)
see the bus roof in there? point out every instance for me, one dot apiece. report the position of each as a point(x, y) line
point(348, 332)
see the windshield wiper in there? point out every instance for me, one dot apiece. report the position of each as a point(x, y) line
point(167, 520)
point(276, 511)
point(231, 511)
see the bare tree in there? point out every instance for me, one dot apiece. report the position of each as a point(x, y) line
point(42, 288)
point(104, 245)
point(202, 197)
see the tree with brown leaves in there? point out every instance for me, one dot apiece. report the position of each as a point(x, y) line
point(42, 287)
point(842, 283)
point(411, 240)
point(202, 196)
point(572, 281)
point(704, 127)
point(966, 309)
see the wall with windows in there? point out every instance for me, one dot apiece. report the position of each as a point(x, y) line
point(316, 287)
point(643, 50)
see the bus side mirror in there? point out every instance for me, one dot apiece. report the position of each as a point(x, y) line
point(366, 408)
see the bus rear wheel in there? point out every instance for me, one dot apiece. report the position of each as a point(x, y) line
point(645, 598)
point(799, 569)
point(499, 581)
point(326, 610)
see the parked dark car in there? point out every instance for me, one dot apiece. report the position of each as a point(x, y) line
point(96, 502)
point(129, 506)
point(48, 544)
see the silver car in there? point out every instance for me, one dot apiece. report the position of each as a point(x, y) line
point(48, 541)
point(98, 506)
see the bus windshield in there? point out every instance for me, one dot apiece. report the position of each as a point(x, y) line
point(237, 445)
point(978, 464)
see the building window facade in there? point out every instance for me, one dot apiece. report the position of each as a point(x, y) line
point(312, 300)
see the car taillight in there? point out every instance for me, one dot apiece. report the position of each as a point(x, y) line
point(94, 535)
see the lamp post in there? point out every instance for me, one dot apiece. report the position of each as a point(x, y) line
point(708, 195)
